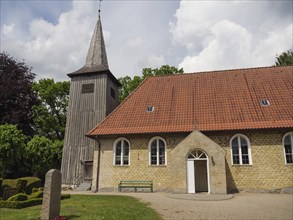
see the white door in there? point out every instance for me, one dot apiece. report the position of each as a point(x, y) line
point(190, 176)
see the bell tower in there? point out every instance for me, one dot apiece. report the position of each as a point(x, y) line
point(93, 95)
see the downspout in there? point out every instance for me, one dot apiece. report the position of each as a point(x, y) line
point(98, 165)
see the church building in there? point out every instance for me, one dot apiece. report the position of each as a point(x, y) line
point(217, 132)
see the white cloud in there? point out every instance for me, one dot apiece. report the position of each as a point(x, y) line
point(135, 42)
point(8, 29)
point(205, 34)
point(228, 47)
point(155, 61)
point(69, 38)
point(223, 35)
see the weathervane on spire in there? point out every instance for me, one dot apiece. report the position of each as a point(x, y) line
point(100, 7)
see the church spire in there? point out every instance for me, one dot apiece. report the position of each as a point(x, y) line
point(97, 57)
point(96, 60)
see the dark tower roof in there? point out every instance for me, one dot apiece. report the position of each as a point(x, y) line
point(96, 60)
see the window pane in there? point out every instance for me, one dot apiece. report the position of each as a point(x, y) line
point(236, 159)
point(235, 142)
point(118, 160)
point(154, 153)
point(288, 149)
point(125, 153)
point(154, 160)
point(289, 158)
point(244, 150)
point(126, 149)
point(161, 152)
point(235, 151)
point(125, 160)
point(245, 159)
point(118, 148)
point(243, 142)
point(287, 140)
point(118, 153)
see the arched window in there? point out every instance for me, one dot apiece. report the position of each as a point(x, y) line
point(157, 151)
point(121, 152)
point(288, 147)
point(240, 150)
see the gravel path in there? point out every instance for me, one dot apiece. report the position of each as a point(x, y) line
point(241, 206)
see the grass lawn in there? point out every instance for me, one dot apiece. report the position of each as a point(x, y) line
point(90, 207)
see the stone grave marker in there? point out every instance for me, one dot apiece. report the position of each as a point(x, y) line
point(52, 195)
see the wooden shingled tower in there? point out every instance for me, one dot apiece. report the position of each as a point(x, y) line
point(93, 95)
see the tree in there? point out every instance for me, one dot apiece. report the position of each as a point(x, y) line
point(16, 95)
point(43, 154)
point(286, 58)
point(129, 85)
point(49, 117)
point(12, 147)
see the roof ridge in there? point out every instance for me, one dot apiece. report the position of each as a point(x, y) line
point(118, 107)
point(222, 71)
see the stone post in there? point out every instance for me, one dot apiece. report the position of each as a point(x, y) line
point(52, 195)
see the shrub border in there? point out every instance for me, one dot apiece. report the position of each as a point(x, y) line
point(26, 203)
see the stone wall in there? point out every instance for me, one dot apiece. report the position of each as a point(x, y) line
point(268, 170)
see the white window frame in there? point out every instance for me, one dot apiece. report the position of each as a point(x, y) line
point(122, 152)
point(157, 138)
point(240, 150)
point(283, 142)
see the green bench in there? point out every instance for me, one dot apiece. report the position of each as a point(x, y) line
point(135, 184)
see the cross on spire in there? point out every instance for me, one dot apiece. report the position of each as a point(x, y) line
point(99, 7)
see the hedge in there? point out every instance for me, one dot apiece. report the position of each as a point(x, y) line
point(21, 185)
point(65, 196)
point(32, 182)
point(24, 184)
point(10, 182)
point(18, 197)
point(20, 204)
point(34, 195)
point(27, 203)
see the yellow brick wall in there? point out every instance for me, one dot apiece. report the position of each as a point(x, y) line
point(139, 168)
point(268, 169)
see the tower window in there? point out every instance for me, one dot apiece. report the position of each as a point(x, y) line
point(112, 93)
point(88, 88)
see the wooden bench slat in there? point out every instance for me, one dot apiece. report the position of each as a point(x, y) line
point(135, 184)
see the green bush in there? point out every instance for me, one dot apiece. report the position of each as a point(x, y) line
point(20, 204)
point(26, 203)
point(1, 187)
point(35, 190)
point(65, 196)
point(38, 194)
point(10, 182)
point(32, 182)
point(24, 184)
point(40, 189)
point(18, 197)
point(21, 185)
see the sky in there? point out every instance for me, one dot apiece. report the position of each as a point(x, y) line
point(53, 36)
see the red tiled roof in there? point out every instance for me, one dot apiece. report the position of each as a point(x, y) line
point(206, 101)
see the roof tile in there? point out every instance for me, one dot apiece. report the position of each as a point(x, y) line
point(218, 100)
